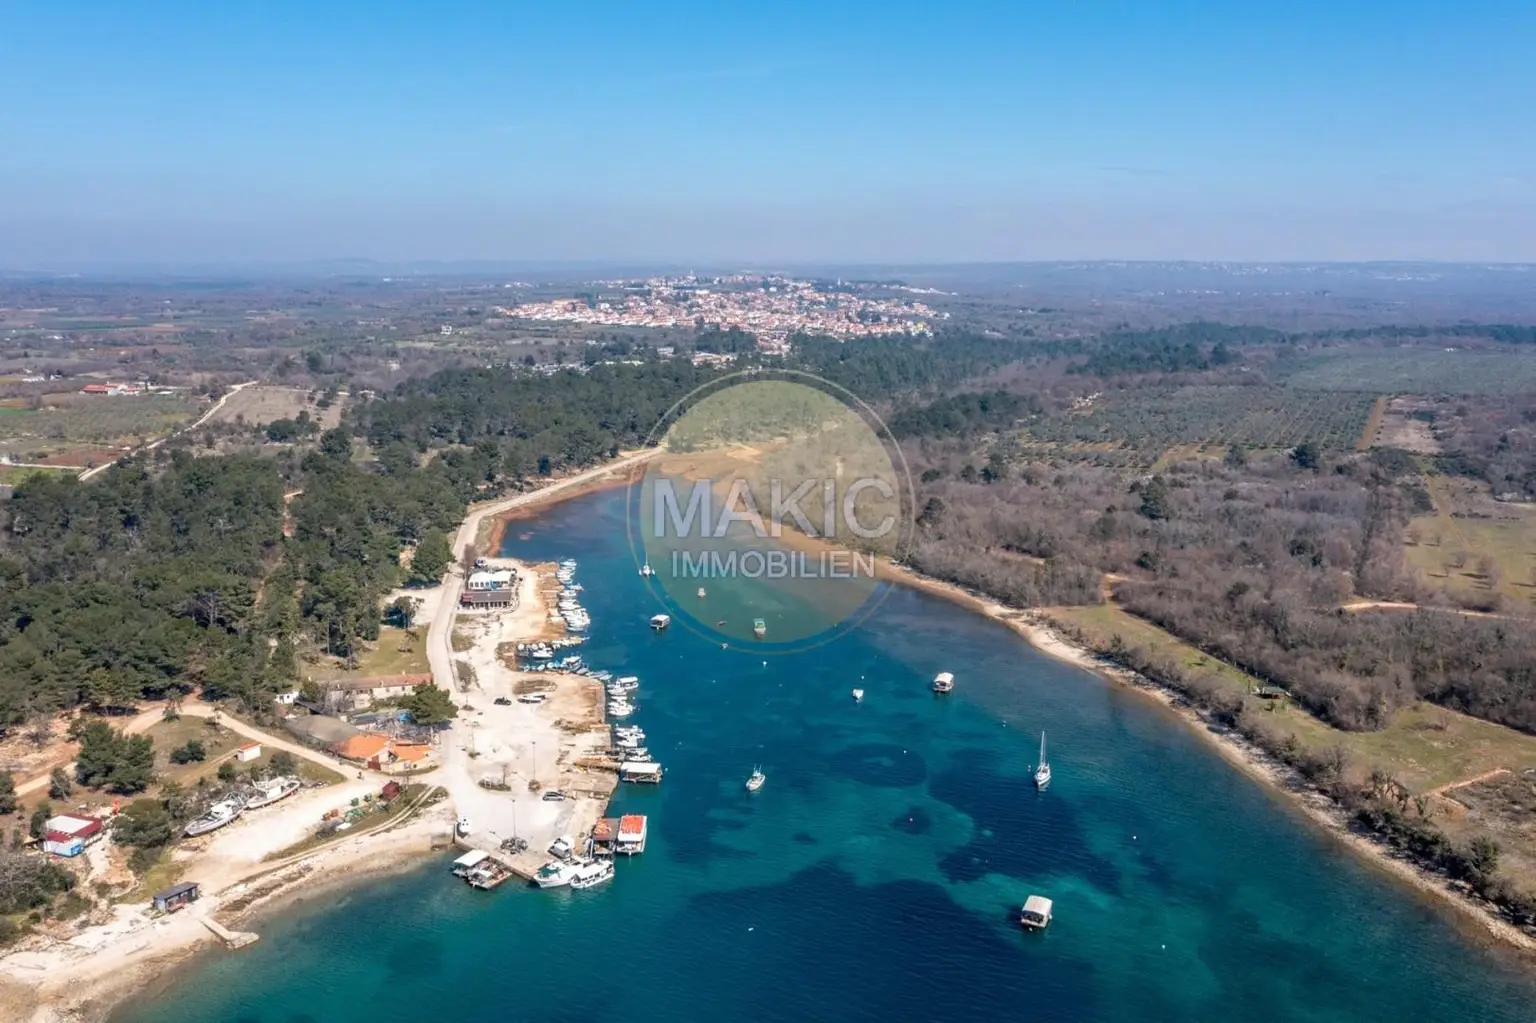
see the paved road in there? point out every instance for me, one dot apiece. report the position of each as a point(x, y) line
point(439, 644)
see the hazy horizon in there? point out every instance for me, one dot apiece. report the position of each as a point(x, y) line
point(984, 132)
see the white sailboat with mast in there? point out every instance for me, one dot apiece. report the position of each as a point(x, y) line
point(1043, 769)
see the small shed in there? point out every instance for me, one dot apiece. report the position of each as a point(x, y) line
point(175, 897)
point(250, 751)
point(67, 835)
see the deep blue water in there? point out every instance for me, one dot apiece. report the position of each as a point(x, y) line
point(878, 873)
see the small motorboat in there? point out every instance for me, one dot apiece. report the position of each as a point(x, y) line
point(701, 593)
point(755, 781)
point(858, 696)
point(944, 682)
point(759, 628)
point(660, 622)
point(646, 569)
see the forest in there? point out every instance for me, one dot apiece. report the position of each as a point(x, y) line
point(172, 575)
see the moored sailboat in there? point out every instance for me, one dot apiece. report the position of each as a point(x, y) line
point(1043, 770)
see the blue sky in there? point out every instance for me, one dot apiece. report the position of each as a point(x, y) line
point(890, 132)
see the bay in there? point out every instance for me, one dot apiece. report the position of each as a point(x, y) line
point(878, 873)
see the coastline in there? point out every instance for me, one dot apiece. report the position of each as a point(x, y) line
point(1280, 779)
point(93, 984)
point(90, 984)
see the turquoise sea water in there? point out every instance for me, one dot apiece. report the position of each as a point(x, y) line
point(878, 873)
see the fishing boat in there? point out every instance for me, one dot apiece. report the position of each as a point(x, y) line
point(1043, 771)
point(944, 682)
point(660, 622)
point(593, 873)
point(269, 792)
point(620, 710)
point(469, 861)
point(218, 815)
point(755, 781)
point(858, 696)
point(555, 874)
point(759, 628)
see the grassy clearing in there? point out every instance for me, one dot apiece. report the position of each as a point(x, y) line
point(258, 406)
point(218, 744)
point(1424, 747)
point(1474, 559)
point(1458, 563)
point(397, 652)
point(165, 872)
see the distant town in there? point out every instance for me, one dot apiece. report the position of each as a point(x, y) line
point(772, 308)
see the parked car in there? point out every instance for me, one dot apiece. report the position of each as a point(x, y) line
point(553, 796)
point(502, 701)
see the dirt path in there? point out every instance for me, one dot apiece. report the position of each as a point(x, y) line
point(197, 708)
point(89, 473)
point(1403, 605)
point(1452, 786)
point(141, 722)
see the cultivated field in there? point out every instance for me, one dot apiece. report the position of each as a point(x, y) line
point(1414, 370)
point(257, 406)
point(78, 429)
point(1157, 425)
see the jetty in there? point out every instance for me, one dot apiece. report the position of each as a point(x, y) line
point(234, 939)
